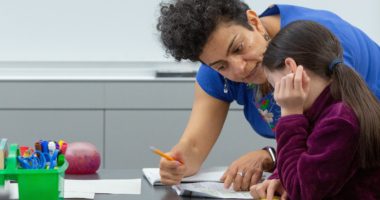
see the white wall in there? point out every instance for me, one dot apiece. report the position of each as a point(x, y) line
point(119, 30)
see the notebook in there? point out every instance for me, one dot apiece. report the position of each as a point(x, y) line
point(212, 190)
point(204, 175)
point(209, 189)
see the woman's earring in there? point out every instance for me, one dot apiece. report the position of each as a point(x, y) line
point(266, 37)
point(225, 90)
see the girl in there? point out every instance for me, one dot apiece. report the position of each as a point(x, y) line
point(328, 136)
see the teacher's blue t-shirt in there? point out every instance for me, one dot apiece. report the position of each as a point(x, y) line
point(360, 52)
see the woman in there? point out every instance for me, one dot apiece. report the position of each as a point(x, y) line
point(230, 40)
point(328, 135)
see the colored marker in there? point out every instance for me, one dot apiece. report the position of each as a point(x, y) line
point(51, 147)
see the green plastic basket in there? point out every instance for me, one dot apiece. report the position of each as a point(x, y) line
point(33, 184)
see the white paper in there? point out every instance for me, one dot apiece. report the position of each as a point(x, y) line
point(82, 195)
point(105, 186)
point(209, 189)
point(210, 175)
point(12, 188)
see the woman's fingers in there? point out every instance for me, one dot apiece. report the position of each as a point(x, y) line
point(229, 177)
point(171, 172)
point(237, 182)
point(246, 183)
point(256, 177)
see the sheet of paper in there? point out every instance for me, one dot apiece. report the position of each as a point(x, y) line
point(13, 191)
point(82, 195)
point(209, 189)
point(211, 174)
point(106, 186)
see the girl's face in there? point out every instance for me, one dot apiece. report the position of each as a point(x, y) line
point(236, 52)
point(276, 75)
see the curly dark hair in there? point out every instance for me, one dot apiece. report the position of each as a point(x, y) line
point(185, 25)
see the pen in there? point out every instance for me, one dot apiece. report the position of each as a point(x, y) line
point(162, 154)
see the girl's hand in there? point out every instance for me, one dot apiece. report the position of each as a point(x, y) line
point(268, 189)
point(291, 91)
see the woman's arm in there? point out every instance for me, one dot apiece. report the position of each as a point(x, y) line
point(203, 129)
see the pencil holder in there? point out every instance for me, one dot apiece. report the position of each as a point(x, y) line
point(33, 184)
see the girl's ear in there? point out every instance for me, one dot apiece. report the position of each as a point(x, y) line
point(291, 65)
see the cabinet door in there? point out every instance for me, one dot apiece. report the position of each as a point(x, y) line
point(51, 95)
point(130, 133)
point(149, 95)
point(237, 138)
point(25, 127)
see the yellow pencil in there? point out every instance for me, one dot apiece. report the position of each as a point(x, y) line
point(162, 154)
point(274, 198)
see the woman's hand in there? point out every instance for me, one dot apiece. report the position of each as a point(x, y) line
point(292, 90)
point(172, 172)
point(268, 189)
point(247, 170)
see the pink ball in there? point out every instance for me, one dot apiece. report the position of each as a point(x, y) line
point(83, 158)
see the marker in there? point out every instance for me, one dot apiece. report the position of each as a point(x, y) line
point(51, 147)
point(63, 148)
point(61, 160)
point(57, 145)
point(60, 142)
point(24, 151)
point(162, 154)
point(44, 146)
point(37, 146)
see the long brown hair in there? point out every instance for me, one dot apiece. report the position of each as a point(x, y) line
point(315, 47)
